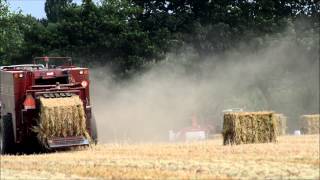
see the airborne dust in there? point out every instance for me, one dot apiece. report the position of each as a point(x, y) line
point(281, 77)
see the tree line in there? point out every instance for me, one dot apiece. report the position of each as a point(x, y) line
point(127, 34)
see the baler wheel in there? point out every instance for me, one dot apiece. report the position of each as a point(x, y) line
point(6, 135)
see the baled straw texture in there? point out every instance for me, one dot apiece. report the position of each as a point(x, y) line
point(61, 117)
point(310, 124)
point(281, 124)
point(249, 127)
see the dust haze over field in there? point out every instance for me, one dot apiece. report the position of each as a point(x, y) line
point(281, 77)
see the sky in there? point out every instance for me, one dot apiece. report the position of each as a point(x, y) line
point(33, 7)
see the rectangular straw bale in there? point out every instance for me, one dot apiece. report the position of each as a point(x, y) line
point(310, 124)
point(281, 124)
point(249, 127)
point(61, 117)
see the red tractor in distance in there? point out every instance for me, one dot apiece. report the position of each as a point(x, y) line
point(20, 89)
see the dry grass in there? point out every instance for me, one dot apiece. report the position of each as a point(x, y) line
point(61, 117)
point(310, 124)
point(281, 123)
point(294, 157)
point(249, 127)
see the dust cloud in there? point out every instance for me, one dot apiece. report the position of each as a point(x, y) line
point(281, 77)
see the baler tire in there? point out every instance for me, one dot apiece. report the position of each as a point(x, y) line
point(6, 134)
point(93, 127)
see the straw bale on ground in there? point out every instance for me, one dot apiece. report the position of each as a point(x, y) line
point(281, 124)
point(310, 124)
point(61, 117)
point(249, 127)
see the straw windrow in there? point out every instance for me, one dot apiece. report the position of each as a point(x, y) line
point(61, 117)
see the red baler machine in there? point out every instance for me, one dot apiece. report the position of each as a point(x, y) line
point(21, 86)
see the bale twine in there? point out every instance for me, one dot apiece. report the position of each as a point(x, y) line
point(281, 124)
point(249, 127)
point(61, 117)
point(310, 124)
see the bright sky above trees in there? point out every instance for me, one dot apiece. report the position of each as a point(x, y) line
point(33, 7)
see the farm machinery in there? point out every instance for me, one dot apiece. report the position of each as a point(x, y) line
point(22, 90)
point(195, 132)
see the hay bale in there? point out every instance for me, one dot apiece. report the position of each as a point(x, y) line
point(249, 127)
point(310, 124)
point(281, 124)
point(61, 117)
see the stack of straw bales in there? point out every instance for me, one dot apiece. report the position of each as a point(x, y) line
point(61, 117)
point(310, 124)
point(281, 124)
point(249, 127)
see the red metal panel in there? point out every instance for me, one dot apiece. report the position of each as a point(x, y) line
point(77, 77)
point(7, 96)
point(15, 84)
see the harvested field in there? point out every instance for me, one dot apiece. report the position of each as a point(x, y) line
point(294, 157)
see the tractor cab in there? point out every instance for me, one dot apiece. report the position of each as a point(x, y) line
point(54, 62)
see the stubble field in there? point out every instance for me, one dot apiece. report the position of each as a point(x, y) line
point(292, 157)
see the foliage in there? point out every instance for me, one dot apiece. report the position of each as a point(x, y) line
point(55, 8)
point(128, 34)
point(11, 37)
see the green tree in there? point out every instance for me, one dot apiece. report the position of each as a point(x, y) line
point(11, 37)
point(54, 9)
point(131, 33)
